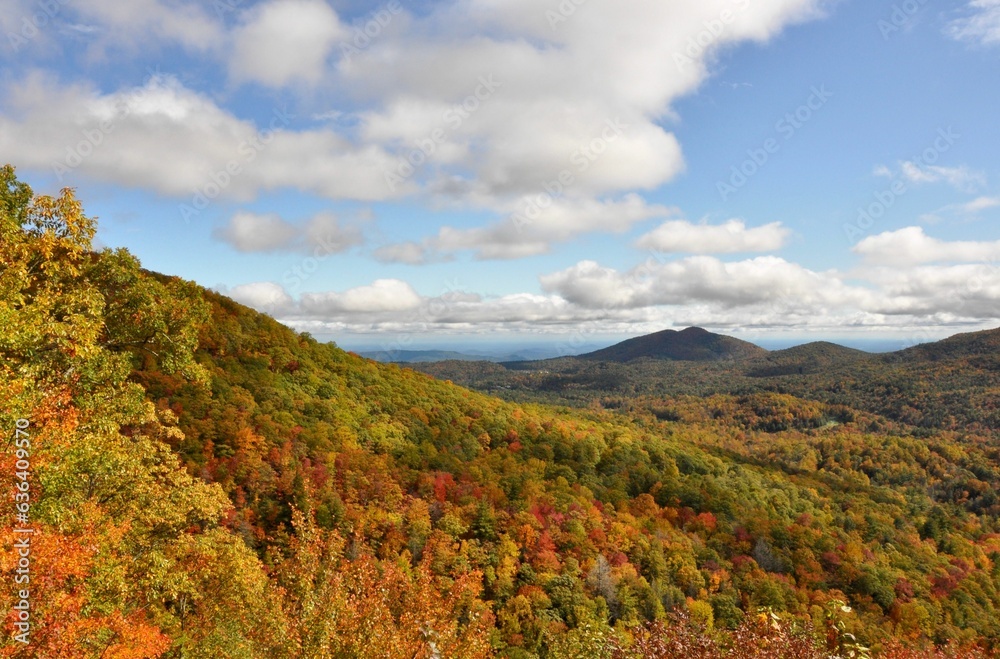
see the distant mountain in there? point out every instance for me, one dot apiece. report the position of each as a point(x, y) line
point(693, 344)
point(422, 356)
point(818, 350)
point(804, 359)
point(429, 356)
point(969, 344)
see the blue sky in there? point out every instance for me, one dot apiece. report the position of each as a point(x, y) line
point(780, 170)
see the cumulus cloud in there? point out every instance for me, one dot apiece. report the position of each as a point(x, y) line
point(911, 246)
point(980, 26)
point(939, 293)
point(477, 104)
point(566, 82)
point(391, 304)
point(383, 295)
point(702, 279)
point(323, 233)
point(763, 292)
point(283, 41)
point(165, 137)
point(250, 232)
point(264, 296)
point(409, 253)
point(537, 221)
point(681, 236)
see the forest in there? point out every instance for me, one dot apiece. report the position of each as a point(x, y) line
point(206, 482)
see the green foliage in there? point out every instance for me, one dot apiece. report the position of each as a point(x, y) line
point(123, 535)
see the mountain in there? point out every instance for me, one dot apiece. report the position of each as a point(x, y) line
point(971, 344)
point(804, 359)
point(691, 344)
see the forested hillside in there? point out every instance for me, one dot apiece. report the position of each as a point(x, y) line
point(205, 482)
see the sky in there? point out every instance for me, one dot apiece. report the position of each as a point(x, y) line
point(412, 174)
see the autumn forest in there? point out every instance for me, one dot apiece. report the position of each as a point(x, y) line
point(206, 482)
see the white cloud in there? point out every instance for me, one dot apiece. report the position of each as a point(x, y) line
point(285, 40)
point(383, 295)
point(536, 221)
point(911, 246)
point(264, 296)
point(509, 102)
point(980, 204)
point(323, 233)
point(681, 236)
point(939, 293)
point(140, 23)
point(764, 292)
point(584, 101)
point(699, 279)
point(981, 26)
point(605, 63)
point(960, 178)
point(962, 211)
point(165, 137)
point(410, 253)
point(250, 232)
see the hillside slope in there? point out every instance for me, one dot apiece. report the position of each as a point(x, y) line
point(970, 344)
point(528, 498)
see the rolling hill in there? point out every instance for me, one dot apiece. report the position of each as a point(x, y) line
point(971, 344)
point(803, 359)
